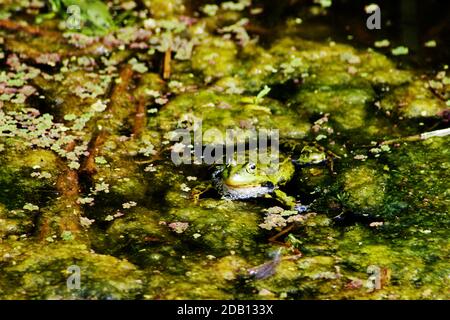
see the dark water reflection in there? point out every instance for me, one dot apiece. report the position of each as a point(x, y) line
point(409, 23)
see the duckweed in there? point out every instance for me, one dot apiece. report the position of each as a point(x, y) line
point(87, 182)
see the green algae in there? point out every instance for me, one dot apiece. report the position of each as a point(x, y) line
point(215, 57)
point(39, 270)
point(132, 223)
point(413, 101)
point(221, 112)
point(364, 187)
point(16, 176)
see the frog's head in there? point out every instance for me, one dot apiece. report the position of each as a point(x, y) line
point(311, 155)
point(245, 175)
point(250, 180)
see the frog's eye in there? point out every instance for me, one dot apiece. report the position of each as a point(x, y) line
point(251, 167)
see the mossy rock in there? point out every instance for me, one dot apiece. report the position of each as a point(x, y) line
point(15, 222)
point(415, 100)
point(219, 112)
point(218, 227)
point(41, 272)
point(137, 230)
point(365, 187)
point(28, 178)
point(215, 57)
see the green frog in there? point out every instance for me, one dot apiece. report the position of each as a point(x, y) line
point(91, 16)
point(253, 180)
point(311, 155)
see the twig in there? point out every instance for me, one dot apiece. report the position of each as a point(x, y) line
point(93, 149)
point(281, 233)
point(139, 117)
point(99, 138)
point(419, 137)
point(65, 214)
point(17, 26)
point(166, 65)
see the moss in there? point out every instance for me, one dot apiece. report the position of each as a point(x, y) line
point(381, 71)
point(215, 57)
point(40, 272)
point(162, 9)
point(192, 282)
point(354, 119)
point(336, 93)
point(415, 100)
point(365, 188)
point(410, 276)
point(305, 278)
point(18, 185)
point(15, 222)
point(137, 230)
point(233, 226)
point(220, 112)
point(119, 174)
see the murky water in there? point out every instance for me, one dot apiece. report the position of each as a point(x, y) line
point(86, 177)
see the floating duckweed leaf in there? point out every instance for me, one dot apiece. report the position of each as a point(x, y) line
point(86, 222)
point(178, 227)
point(67, 236)
point(430, 44)
point(210, 9)
point(128, 205)
point(30, 207)
point(138, 66)
point(70, 117)
point(100, 160)
point(400, 51)
point(324, 3)
point(236, 6)
point(86, 200)
point(382, 43)
point(74, 165)
point(98, 106)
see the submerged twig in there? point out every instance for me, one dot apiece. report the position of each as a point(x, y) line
point(166, 64)
point(419, 137)
point(99, 138)
point(281, 233)
point(33, 30)
point(139, 117)
point(65, 216)
point(93, 149)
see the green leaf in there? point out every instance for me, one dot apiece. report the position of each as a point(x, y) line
point(265, 91)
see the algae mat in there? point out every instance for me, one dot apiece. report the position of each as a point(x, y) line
point(93, 207)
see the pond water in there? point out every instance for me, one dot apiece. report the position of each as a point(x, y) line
point(87, 121)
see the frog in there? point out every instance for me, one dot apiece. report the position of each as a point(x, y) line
point(93, 15)
point(311, 155)
point(254, 180)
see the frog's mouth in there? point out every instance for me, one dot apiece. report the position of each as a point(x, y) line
point(235, 192)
